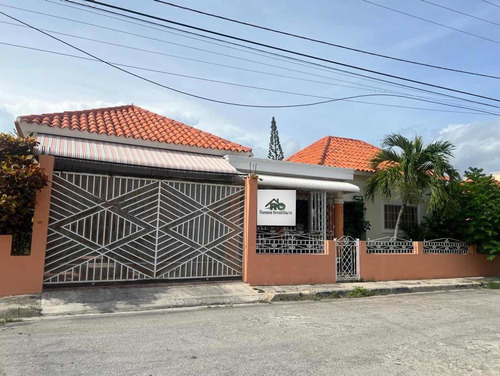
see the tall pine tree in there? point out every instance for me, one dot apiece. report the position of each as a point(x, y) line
point(275, 151)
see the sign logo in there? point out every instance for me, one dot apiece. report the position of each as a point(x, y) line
point(276, 207)
point(275, 204)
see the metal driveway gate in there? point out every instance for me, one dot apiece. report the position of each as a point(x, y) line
point(105, 228)
point(347, 250)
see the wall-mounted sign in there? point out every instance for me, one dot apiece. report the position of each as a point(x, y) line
point(276, 207)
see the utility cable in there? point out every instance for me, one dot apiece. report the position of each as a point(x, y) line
point(476, 111)
point(292, 52)
point(459, 12)
point(289, 57)
point(266, 54)
point(429, 21)
point(296, 61)
point(489, 2)
point(194, 95)
point(325, 42)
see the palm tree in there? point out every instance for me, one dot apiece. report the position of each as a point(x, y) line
point(407, 169)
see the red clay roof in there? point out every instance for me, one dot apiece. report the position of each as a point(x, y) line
point(134, 122)
point(337, 152)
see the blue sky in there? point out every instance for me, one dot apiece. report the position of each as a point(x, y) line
point(36, 82)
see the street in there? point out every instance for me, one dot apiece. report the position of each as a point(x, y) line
point(445, 333)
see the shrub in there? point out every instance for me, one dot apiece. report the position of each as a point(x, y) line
point(21, 177)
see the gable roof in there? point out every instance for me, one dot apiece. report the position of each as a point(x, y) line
point(130, 122)
point(337, 152)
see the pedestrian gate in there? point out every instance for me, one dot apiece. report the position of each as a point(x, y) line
point(347, 250)
point(105, 228)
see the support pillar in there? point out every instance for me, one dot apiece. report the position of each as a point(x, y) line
point(250, 225)
point(338, 213)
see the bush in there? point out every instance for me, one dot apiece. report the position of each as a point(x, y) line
point(21, 177)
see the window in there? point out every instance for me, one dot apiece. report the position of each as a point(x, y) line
point(410, 216)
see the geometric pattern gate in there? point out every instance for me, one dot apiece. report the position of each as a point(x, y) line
point(115, 228)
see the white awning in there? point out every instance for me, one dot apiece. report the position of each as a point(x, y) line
point(300, 183)
point(131, 155)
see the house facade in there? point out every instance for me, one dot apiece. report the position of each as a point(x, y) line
point(380, 214)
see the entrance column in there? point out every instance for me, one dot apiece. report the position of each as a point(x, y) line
point(338, 213)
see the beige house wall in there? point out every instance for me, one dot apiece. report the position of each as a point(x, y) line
point(375, 209)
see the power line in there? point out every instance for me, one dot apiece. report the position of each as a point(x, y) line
point(489, 2)
point(476, 111)
point(194, 95)
point(294, 59)
point(363, 87)
point(293, 52)
point(266, 54)
point(324, 42)
point(213, 63)
point(429, 21)
point(459, 12)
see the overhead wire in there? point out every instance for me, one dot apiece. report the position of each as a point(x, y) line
point(272, 55)
point(191, 94)
point(432, 22)
point(323, 41)
point(476, 111)
point(225, 35)
point(460, 12)
point(251, 50)
point(489, 2)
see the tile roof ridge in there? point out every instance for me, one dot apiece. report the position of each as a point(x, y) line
point(354, 139)
point(86, 111)
point(325, 151)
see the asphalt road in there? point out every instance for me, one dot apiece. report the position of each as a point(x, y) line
point(446, 333)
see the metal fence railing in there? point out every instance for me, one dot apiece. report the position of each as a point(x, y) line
point(389, 245)
point(445, 246)
point(290, 242)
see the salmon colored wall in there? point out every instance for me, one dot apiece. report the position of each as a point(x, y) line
point(419, 265)
point(24, 274)
point(266, 269)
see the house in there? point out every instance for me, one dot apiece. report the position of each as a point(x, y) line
point(136, 196)
point(355, 154)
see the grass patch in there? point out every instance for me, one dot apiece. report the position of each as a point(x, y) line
point(492, 285)
point(359, 292)
point(8, 320)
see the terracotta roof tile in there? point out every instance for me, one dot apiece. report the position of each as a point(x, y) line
point(337, 152)
point(134, 122)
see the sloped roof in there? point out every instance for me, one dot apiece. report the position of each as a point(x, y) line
point(133, 122)
point(337, 152)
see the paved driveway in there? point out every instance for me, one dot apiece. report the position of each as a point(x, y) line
point(447, 333)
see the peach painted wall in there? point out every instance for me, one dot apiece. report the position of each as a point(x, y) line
point(266, 269)
point(24, 274)
point(419, 265)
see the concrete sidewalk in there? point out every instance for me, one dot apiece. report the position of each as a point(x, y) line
point(130, 298)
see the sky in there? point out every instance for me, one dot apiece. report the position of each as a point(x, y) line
point(34, 82)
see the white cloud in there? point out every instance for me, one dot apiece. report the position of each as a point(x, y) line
point(477, 144)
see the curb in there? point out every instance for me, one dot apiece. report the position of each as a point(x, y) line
point(342, 293)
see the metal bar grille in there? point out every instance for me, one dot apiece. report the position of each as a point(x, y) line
point(347, 250)
point(445, 246)
point(105, 228)
point(290, 242)
point(389, 245)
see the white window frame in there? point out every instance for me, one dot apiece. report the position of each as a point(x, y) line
point(391, 230)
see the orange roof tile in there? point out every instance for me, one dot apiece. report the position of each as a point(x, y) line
point(134, 122)
point(337, 152)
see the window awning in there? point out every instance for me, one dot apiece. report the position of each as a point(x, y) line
point(131, 155)
point(300, 183)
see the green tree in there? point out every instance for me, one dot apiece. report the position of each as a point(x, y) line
point(476, 218)
point(275, 151)
point(21, 178)
point(407, 170)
